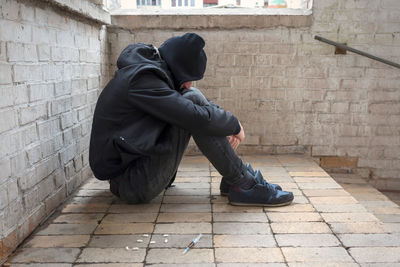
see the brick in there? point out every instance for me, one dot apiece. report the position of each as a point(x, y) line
point(27, 72)
point(5, 168)
point(15, 32)
point(47, 129)
point(43, 52)
point(111, 255)
point(248, 255)
point(43, 255)
point(61, 105)
point(244, 241)
point(3, 197)
point(15, 51)
point(5, 74)
point(32, 113)
point(9, 120)
point(40, 91)
point(10, 10)
point(170, 256)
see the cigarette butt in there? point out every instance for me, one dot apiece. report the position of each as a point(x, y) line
point(131, 248)
point(166, 241)
point(152, 242)
point(145, 235)
point(139, 241)
point(165, 235)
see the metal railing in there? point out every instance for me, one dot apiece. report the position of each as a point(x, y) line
point(345, 47)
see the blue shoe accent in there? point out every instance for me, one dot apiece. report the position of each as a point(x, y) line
point(224, 186)
point(259, 195)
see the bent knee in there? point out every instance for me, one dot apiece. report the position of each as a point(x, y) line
point(196, 96)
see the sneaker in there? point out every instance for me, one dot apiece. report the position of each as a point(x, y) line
point(259, 195)
point(224, 186)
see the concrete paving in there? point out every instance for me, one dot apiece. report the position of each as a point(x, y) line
point(326, 224)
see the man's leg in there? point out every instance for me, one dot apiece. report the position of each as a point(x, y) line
point(149, 176)
point(217, 148)
point(246, 190)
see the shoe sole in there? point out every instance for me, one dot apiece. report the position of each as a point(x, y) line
point(261, 204)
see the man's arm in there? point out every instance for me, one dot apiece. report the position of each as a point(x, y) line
point(154, 96)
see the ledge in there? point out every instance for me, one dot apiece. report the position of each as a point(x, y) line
point(211, 18)
point(84, 8)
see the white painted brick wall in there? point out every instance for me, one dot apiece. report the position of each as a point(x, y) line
point(40, 111)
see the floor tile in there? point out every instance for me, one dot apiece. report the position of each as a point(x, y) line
point(294, 216)
point(243, 241)
point(183, 228)
point(124, 228)
point(171, 255)
point(349, 217)
point(369, 240)
point(307, 240)
point(68, 241)
point(179, 241)
point(129, 218)
point(43, 255)
point(300, 228)
point(139, 208)
point(376, 254)
point(241, 228)
point(119, 241)
point(79, 218)
point(358, 228)
point(186, 207)
point(248, 255)
point(184, 217)
point(187, 199)
point(93, 255)
point(326, 254)
point(239, 217)
point(68, 229)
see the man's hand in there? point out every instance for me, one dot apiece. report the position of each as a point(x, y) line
point(235, 140)
point(240, 135)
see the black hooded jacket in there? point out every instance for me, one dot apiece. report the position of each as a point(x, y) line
point(136, 109)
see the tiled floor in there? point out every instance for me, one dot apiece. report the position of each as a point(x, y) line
point(325, 226)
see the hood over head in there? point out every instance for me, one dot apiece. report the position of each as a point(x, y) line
point(137, 53)
point(185, 57)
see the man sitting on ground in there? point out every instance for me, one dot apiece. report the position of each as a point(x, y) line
point(146, 115)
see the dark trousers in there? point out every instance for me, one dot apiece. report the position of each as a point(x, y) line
point(147, 177)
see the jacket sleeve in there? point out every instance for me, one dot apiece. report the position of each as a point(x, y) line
point(152, 95)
